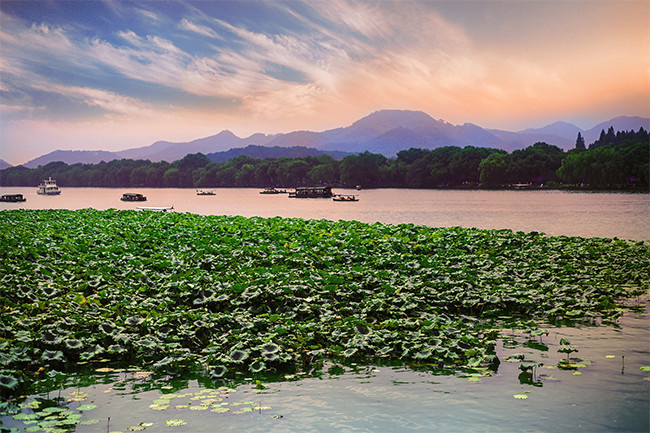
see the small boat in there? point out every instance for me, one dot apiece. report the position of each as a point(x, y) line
point(12, 198)
point(273, 191)
point(48, 187)
point(312, 192)
point(156, 208)
point(132, 196)
point(345, 197)
point(205, 192)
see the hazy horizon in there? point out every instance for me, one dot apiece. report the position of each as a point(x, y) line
point(112, 75)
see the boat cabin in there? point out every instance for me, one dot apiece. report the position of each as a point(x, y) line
point(132, 196)
point(12, 198)
point(312, 192)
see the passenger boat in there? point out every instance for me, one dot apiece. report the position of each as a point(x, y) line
point(205, 192)
point(345, 197)
point(273, 191)
point(312, 192)
point(12, 198)
point(48, 187)
point(156, 208)
point(132, 196)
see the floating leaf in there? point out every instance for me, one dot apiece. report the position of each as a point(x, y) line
point(84, 407)
point(238, 355)
point(520, 396)
point(8, 382)
point(175, 422)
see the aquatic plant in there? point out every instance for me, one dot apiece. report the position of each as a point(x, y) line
point(250, 294)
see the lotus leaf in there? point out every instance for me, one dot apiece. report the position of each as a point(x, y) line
point(175, 422)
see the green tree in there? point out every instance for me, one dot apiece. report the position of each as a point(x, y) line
point(492, 170)
point(171, 177)
point(580, 142)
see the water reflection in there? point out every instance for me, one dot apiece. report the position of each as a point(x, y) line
point(605, 390)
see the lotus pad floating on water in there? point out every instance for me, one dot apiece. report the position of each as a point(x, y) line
point(175, 422)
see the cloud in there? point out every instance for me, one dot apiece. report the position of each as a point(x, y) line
point(186, 24)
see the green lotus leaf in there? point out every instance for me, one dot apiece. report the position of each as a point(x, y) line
point(8, 382)
point(270, 356)
point(257, 366)
point(85, 407)
point(134, 321)
point(270, 348)
point(217, 372)
point(52, 355)
point(73, 344)
point(89, 422)
point(238, 355)
point(175, 422)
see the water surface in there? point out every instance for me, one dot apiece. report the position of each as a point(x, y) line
point(586, 214)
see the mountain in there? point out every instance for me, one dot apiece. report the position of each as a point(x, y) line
point(263, 152)
point(168, 151)
point(4, 164)
point(386, 132)
point(73, 157)
point(622, 123)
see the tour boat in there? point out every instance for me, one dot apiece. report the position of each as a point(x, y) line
point(273, 191)
point(204, 192)
point(156, 208)
point(48, 187)
point(12, 198)
point(312, 192)
point(132, 196)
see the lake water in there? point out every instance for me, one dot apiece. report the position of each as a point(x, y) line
point(608, 393)
point(587, 214)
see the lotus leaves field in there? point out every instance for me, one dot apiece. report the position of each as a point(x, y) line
point(226, 295)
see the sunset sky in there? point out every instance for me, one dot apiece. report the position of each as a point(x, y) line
point(113, 75)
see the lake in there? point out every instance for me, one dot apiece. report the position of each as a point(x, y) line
point(607, 392)
point(586, 214)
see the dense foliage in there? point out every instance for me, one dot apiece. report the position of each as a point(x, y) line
point(225, 294)
point(621, 163)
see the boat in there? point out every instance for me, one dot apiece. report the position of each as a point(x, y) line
point(345, 197)
point(48, 187)
point(12, 198)
point(156, 208)
point(205, 192)
point(522, 185)
point(312, 192)
point(133, 196)
point(272, 190)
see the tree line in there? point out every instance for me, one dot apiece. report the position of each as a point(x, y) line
point(615, 161)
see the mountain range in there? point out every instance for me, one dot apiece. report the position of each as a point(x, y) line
point(386, 132)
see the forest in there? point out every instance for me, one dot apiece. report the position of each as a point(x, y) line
point(615, 161)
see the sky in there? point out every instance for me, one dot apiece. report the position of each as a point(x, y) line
point(113, 75)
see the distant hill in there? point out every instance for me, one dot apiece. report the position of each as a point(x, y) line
point(4, 164)
point(73, 157)
point(386, 132)
point(168, 151)
point(264, 152)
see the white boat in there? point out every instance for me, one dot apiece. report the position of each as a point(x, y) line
point(156, 208)
point(48, 187)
